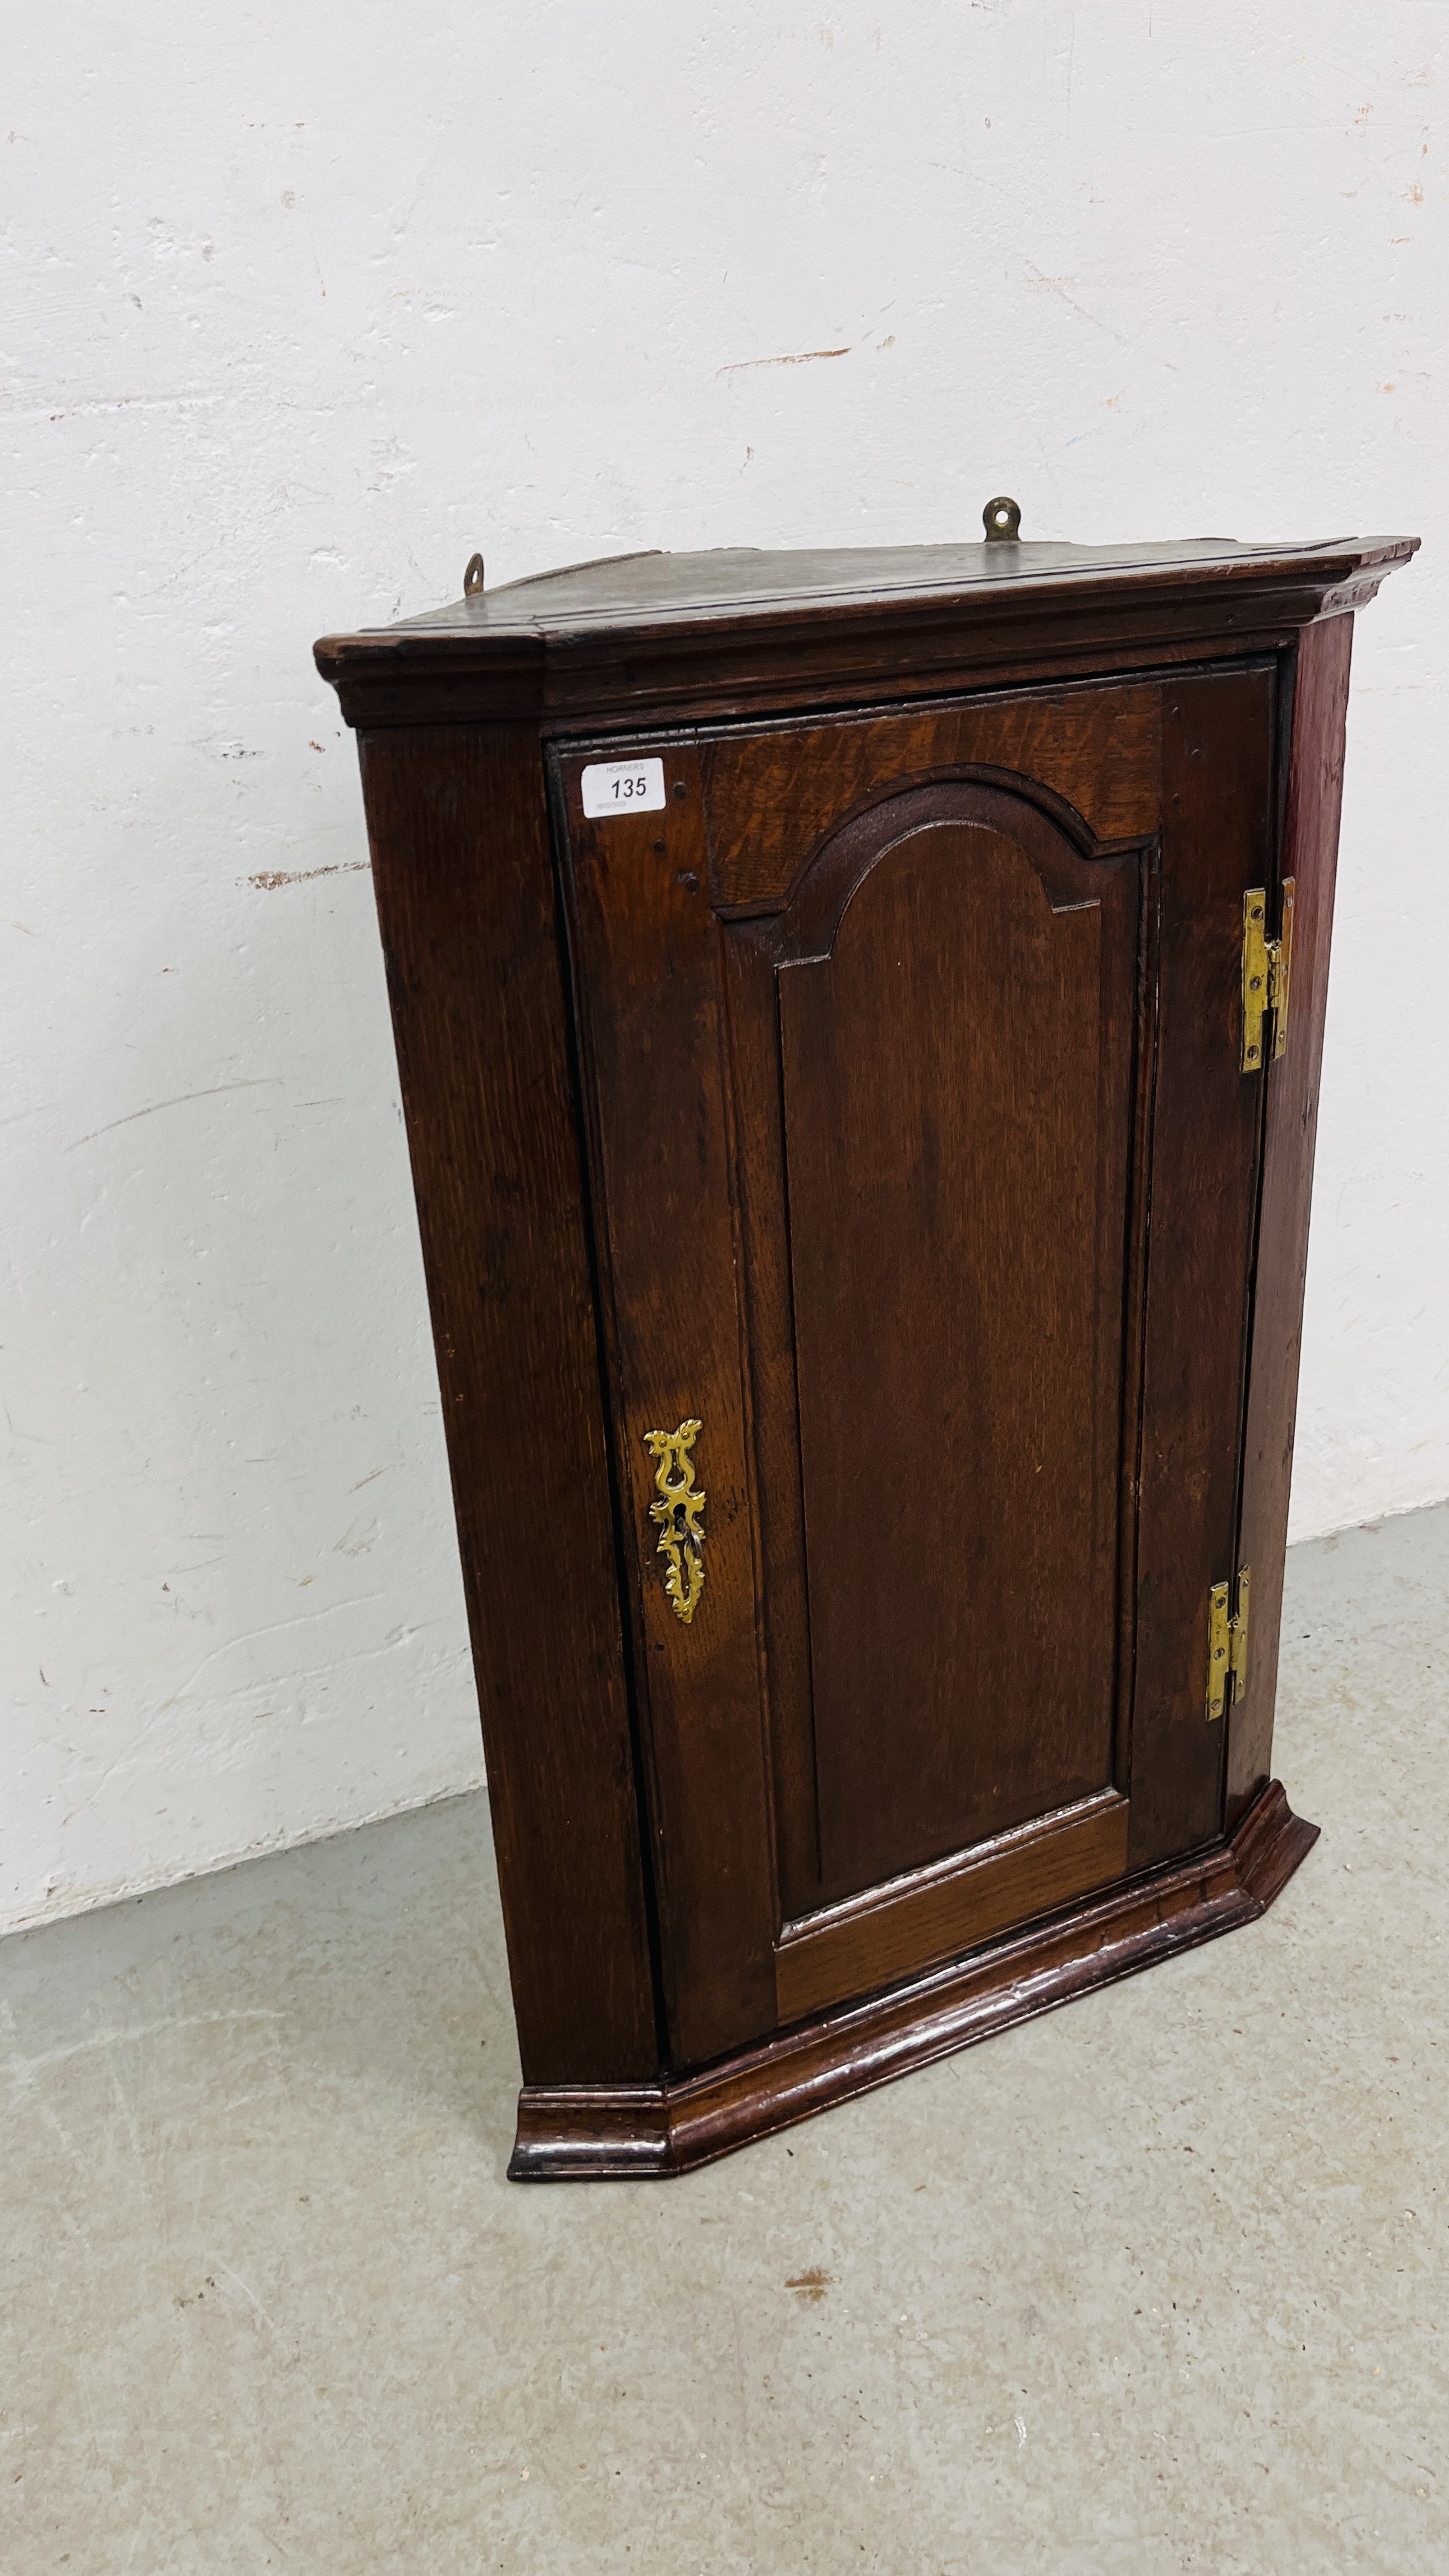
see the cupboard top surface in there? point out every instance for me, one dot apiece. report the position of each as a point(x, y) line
point(735, 581)
point(635, 634)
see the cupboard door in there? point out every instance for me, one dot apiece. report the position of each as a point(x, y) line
point(874, 1164)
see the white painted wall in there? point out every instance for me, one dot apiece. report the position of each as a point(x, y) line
point(304, 304)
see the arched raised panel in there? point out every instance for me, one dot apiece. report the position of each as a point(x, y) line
point(957, 1028)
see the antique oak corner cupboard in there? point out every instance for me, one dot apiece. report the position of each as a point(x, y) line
point(859, 1017)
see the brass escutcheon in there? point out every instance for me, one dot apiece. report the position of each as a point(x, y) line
point(679, 1516)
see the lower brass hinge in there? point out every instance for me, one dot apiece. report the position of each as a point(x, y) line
point(1267, 971)
point(1227, 1645)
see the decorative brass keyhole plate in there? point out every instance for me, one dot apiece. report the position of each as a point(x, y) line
point(678, 1516)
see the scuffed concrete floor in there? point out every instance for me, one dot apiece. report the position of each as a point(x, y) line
point(1155, 2283)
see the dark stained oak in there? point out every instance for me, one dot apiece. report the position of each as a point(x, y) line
point(466, 904)
point(652, 1017)
point(1218, 745)
point(876, 1103)
point(772, 795)
point(896, 1930)
point(956, 1097)
point(953, 1155)
point(627, 641)
point(1310, 856)
point(587, 2133)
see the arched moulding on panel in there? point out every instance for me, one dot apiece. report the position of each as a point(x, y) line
point(1048, 832)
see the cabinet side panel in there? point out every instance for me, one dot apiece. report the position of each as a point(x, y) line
point(1315, 791)
point(458, 828)
point(1218, 817)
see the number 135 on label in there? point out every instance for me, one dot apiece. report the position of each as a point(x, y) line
point(623, 787)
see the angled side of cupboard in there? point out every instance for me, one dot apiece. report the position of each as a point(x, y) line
point(859, 1021)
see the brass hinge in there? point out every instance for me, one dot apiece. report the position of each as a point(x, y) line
point(1267, 971)
point(1227, 1645)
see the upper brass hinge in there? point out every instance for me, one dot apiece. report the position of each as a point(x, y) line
point(1227, 1645)
point(1267, 972)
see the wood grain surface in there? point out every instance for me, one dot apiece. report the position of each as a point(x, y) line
point(697, 634)
point(771, 796)
point(876, 1103)
point(582, 2133)
point(652, 1020)
point(1310, 857)
point(1218, 748)
point(465, 899)
point(909, 1138)
point(957, 1101)
point(897, 1930)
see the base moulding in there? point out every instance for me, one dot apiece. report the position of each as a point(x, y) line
point(590, 2132)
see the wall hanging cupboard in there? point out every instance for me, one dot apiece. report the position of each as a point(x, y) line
point(859, 1017)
